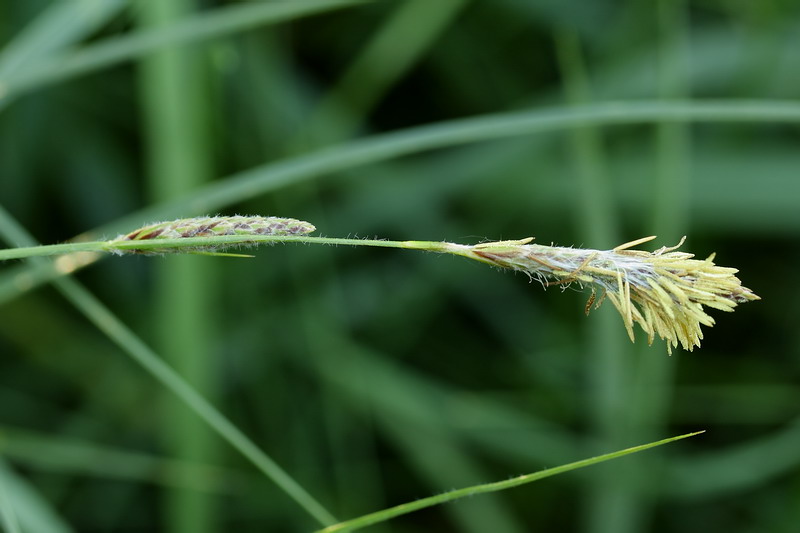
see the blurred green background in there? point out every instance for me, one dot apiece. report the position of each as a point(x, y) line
point(373, 376)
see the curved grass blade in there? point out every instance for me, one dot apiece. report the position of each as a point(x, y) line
point(393, 512)
point(8, 518)
point(58, 26)
point(376, 148)
point(31, 510)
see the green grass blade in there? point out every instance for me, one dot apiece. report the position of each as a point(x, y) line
point(60, 25)
point(377, 148)
point(440, 458)
point(197, 28)
point(8, 518)
point(32, 512)
point(118, 332)
point(392, 512)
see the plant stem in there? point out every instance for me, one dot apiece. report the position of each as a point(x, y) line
point(50, 249)
point(171, 245)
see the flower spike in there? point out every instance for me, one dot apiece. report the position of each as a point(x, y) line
point(186, 228)
point(663, 291)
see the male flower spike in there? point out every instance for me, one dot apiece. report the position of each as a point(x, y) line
point(664, 291)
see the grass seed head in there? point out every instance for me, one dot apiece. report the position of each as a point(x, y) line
point(664, 291)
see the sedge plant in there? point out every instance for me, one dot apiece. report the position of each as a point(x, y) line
point(664, 291)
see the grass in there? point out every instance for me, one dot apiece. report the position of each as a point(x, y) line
point(380, 516)
point(376, 377)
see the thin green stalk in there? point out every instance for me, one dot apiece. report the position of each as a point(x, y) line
point(172, 245)
point(392, 512)
point(440, 458)
point(50, 249)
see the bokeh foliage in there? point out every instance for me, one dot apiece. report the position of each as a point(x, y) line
point(379, 376)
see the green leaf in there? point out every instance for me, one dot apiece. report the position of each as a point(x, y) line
point(392, 512)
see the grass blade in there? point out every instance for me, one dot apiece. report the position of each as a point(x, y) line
point(326, 161)
point(196, 28)
point(30, 509)
point(392, 512)
point(8, 517)
point(60, 25)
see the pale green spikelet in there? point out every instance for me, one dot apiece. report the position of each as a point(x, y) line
point(199, 227)
point(663, 291)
